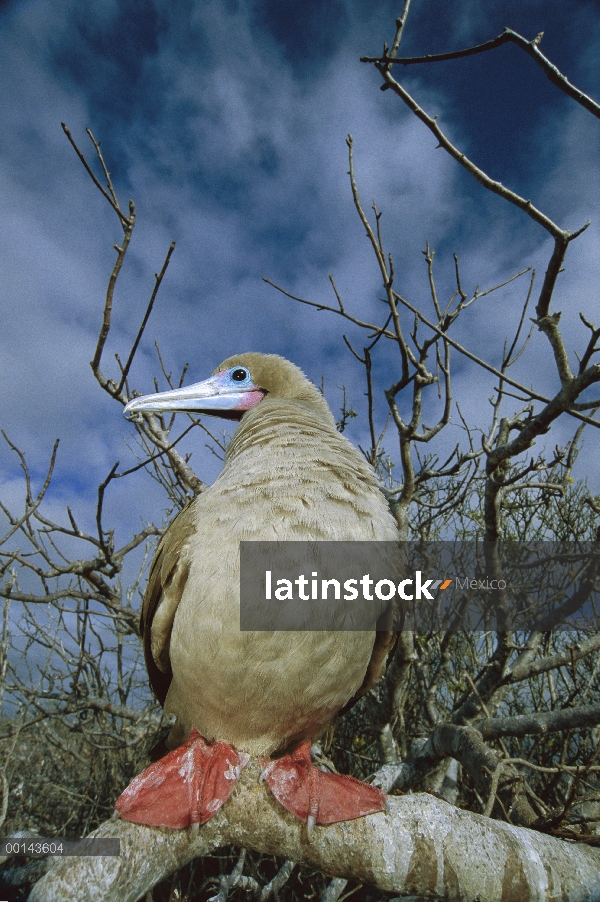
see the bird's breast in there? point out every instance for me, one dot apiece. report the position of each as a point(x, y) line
point(260, 691)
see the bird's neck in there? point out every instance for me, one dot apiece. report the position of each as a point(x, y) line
point(276, 421)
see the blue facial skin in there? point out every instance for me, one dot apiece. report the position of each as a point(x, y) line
point(237, 376)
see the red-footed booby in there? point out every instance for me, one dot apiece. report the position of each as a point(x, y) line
point(288, 475)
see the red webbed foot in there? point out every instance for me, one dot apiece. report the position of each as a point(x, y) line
point(318, 797)
point(185, 787)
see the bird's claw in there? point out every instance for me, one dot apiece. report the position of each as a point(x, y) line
point(186, 787)
point(317, 797)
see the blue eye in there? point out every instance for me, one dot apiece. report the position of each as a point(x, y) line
point(240, 375)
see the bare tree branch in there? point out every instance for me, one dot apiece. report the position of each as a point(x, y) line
point(508, 35)
point(416, 849)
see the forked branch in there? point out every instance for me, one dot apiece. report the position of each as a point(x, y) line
point(532, 48)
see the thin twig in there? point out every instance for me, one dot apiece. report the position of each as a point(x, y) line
point(111, 198)
point(157, 280)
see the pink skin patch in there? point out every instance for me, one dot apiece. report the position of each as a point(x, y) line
point(188, 786)
point(317, 797)
point(250, 399)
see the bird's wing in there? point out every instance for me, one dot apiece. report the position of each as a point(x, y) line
point(383, 652)
point(166, 582)
point(384, 648)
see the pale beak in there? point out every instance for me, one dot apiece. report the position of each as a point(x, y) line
point(211, 397)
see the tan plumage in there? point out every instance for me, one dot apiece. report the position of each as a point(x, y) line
point(289, 475)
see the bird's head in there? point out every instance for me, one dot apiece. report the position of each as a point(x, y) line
point(238, 384)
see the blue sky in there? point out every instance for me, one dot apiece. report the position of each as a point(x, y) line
point(226, 122)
